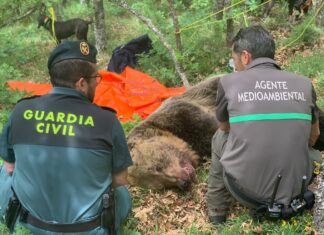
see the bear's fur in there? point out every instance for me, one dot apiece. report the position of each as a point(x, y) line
point(166, 146)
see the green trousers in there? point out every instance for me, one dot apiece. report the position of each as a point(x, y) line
point(123, 205)
point(219, 194)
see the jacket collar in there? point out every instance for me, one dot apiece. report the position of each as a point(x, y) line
point(68, 91)
point(263, 61)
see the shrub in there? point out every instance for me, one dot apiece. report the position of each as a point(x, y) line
point(8, 97)
point(319, 86)
point(19, 230)
point(128, 126)
point(304, 33)
point(310, 65)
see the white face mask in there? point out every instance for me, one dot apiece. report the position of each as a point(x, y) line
point(231, 65)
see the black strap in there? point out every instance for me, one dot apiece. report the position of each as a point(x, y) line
point(26, 217)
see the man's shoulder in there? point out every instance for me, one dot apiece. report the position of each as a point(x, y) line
point(103, 111)
point(225, 77)
point(231, 78)
point(293, 75)
point(108, 109)
point(28, 98)
point(26, 101)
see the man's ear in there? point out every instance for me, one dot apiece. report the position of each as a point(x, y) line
point(246, 57)
point(81, 85)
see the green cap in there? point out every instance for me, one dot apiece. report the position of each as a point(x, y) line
point(67, 50)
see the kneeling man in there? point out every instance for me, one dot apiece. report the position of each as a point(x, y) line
point(268, 122)
point(68, 157)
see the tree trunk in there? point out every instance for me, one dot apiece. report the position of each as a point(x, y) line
point(229, 31)
point(319, 9)
point(64, 2)
point(99, 26)
point(58, 9)
point(175, 25)
point(318, 210)
point(267, 8)
point(218, 6)
point(149, 24)
point(85, 2)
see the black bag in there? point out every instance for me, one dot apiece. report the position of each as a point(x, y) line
point(108, 212)
point(12, 212)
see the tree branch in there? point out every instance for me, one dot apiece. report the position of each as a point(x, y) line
point(28, 13)
point(149, 24)
point(175, 25)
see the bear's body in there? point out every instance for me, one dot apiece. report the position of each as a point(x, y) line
point(166, 146)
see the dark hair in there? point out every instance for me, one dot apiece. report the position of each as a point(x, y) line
point(256, 40)
point(67, 72)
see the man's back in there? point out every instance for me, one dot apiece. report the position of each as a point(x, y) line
point(64, 163)
point(270, 118)
point(66, 153)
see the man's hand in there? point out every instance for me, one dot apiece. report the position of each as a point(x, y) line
point(120, 178)
point(224, 126)
point(9, 167)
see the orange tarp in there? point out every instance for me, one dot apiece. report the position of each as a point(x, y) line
point(130, 93)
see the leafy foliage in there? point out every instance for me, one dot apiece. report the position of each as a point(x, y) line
point(312, 67)
point(320, 91)
point(128, 126)
point(15, 8)
point(200, 56)
point(19, 230)
point(304, 32)
point(28, 56)
point(8, 97)
point(309, 66)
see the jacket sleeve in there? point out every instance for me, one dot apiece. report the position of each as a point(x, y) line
point(221, 104)
point(121, 156)
point(6, 149)
point(315, 109)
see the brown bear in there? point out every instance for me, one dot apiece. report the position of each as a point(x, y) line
point(167, 146)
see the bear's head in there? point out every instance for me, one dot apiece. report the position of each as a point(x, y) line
point(162, 161)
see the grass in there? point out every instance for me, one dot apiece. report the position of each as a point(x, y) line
point(19, 230)
point(243, 224)
point(166, 202)
point(309, 63)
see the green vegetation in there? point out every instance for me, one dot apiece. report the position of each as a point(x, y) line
point(311, 66)
point(128, 126)
point(24, 51)
point(244, 225)
point(8, 98)
point(19, 230)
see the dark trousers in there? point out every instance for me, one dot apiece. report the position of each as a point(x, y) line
point(220, 194)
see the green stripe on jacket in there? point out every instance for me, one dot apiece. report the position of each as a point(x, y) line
point(270, 116)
